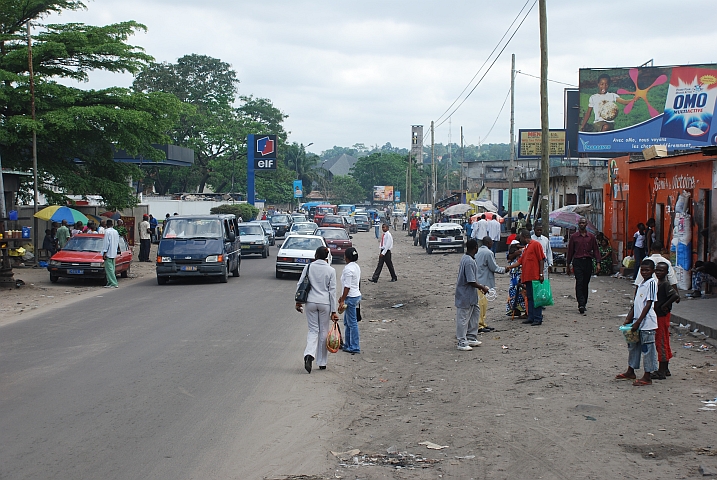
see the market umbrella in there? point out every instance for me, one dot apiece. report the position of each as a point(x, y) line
point(581, 208)
point(459, 209)
point(488, 216)
point(561, 218)
point(94, 218)
point(486, 204)
point(57, 213)
point(112, 215)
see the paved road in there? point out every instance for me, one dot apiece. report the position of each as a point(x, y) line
point(188, 380)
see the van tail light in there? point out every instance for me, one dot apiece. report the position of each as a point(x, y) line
point(433, 239)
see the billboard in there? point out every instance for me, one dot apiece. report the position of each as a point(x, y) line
point(383, 193)
point(298, 189)
point(530, 146)
point(625, 110)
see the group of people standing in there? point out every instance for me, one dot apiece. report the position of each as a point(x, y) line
point(483, 227)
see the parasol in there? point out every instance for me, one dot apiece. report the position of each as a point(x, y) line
point(581, 208)
point(58, 213)
point(93, 218)
point(112, 215)
point(459, 209)
point(488, 216)
point(561, 218)
point(486, 204)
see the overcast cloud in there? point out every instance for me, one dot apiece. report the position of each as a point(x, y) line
point(348, 72)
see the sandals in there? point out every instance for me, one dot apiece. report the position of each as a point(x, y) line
point(641, 383)
point(623, 376)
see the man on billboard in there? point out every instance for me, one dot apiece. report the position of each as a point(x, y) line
point(604, 105)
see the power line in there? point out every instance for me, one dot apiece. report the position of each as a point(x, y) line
point(498, 116)
point(486, 60)
point(491, 65)
point(554, 81)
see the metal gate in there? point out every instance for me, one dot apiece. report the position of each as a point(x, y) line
point(594, 198)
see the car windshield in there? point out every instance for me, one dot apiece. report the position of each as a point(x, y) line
point(250, 230)
point(192, 228)
point(302, 243)
point(299, 218)
point(325, 209)
point(334, 234)
point(303, 227)
point(280, 219)
point(333, 219)
point(361, 218)
point(84, 244)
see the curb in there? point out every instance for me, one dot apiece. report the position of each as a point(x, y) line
point(709, 331)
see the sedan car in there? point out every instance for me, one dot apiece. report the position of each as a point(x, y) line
point(296, 252)
point(303, 228)
point(253, 240)
point(445, 236)
point(362, 222)
point(337, 240)
point(281, 223)
point(299, 218)
point(269, 229)
point(351, 222)
point(81, 257)
point(334, 221)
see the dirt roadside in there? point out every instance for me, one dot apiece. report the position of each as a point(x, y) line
point(531, 402)
point(39, 295)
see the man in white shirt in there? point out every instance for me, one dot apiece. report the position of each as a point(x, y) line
point(494, 232)
point(385, 256)
point(545, 242)
point(145, 235)
point(482, 228)
point(110, 244)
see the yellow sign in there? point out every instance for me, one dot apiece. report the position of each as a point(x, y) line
point(529, 143)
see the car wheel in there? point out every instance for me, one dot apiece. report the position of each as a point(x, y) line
point(279, 274)
point(54, 278)
point(225, 275)
point(429, 250)
point(125, 274)
point(162, 280)
point(235, 272)
point(265, 253)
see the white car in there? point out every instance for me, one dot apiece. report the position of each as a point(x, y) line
point(296, 252)
point(445, 236)
point(303, 228)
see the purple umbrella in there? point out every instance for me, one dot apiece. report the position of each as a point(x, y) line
point(568, 220)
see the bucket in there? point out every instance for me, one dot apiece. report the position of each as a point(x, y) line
point(26, 232)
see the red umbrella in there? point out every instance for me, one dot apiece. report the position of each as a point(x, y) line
point(488, 216)
point(112, 215)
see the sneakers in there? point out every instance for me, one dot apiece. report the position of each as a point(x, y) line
point(474, 343)
point(464, 348)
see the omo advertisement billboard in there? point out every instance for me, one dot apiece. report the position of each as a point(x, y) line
point(383, 193)
point(625, 110)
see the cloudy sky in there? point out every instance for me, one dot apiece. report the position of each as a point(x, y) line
point(364, 72)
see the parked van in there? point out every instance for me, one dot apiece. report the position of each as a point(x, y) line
point(199, 246)
point(346, 209)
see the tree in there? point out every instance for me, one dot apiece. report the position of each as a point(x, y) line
point(244, 210)
point(346, 189)
point(380, 169)
point(296, 159)
point(77, 130)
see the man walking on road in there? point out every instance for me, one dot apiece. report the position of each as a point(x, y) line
point(487, 268)
point(582, 249)
point(145, 234)
point(385, 255)
point(494, 233)
point(466, 299)
point(110, 244)
point(532, 261)
point(545, 242)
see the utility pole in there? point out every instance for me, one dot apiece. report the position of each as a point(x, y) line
point(511, 170)
point(463, 159)
point(36, 197)
point(545, 134)
point(433, 172)
point(450, 156)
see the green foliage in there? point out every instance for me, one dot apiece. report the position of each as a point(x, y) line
point(380, 169)
point(77, 130)
point(346, 189)
point(244, 210)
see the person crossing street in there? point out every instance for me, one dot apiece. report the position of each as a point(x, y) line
point(582, 249)
point(385, 255)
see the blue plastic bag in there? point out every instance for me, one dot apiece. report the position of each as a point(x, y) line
point(542, 294)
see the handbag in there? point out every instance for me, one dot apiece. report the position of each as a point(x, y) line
point(542, 294)
point(302, 292)
point(333, 339)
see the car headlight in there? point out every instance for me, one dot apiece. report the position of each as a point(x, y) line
point(214, 258)
point(258, 242)
point(97, 264)
point(164, 259)
point(54, 263)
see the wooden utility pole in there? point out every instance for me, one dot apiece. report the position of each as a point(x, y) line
point(433, 172)
point(463, 159)
point(36, 196)
point(408, 182)
point(545, 134)
point(511, 170)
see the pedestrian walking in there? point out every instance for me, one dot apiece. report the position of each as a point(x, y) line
point(515, 306)
point(646, 324)
point(349, 300)
point(493, 227)
point(145, 238)
point(545, 242)
point(405, 223)
point(110, 245)
point(384, 256)
point(638, 248)
point(466, 299)
point(424, 227)
point(487, 268)
point(63, 235)
point(320, 308)
point(582, 250)
point(413, 229)
point(666, 296)
point(532, 262)
point(480, 229)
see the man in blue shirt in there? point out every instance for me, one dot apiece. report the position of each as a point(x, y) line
point(424, 227)
point(466, 299)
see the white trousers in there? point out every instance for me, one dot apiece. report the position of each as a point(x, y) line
point(318, 317)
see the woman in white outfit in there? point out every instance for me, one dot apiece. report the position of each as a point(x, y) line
point(320, 307)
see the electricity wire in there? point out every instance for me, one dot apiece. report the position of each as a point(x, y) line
point(554, 81)
point(498, 116)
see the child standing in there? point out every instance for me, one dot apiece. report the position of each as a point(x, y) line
point(666, 296)
point(646, 323)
